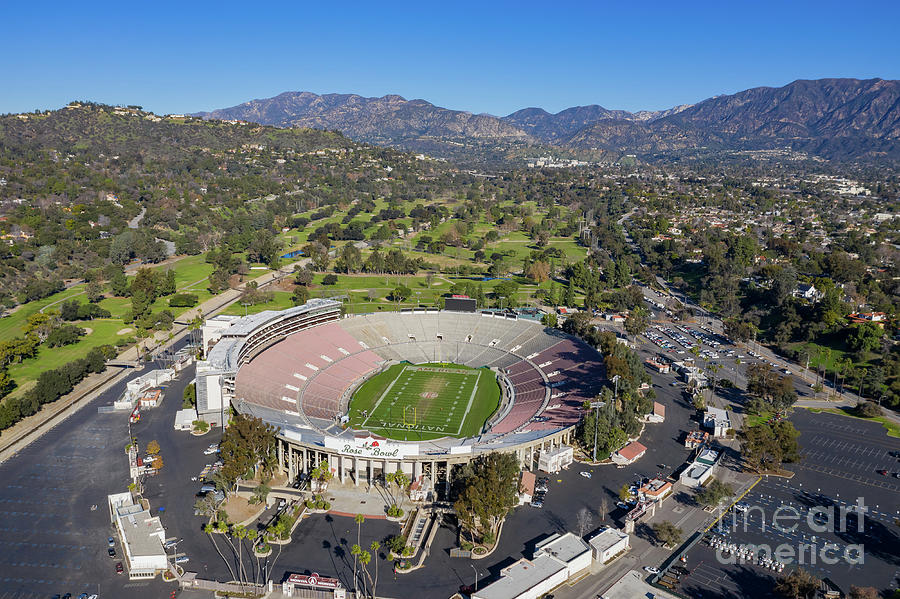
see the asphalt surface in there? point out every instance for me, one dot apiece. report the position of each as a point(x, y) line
point(51, 541)
point(839, 469)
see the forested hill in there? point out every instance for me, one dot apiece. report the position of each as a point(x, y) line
point(72, 180)
point(129, 132)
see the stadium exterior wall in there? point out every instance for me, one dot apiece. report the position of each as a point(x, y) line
point(301, 445)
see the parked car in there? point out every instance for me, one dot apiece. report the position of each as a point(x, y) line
point(882, 472)
point(651, 569)
point(585, 474)
point(111, 542)
point(537, 503)
point(181, 559)
point(111, 551)
point(119, 568)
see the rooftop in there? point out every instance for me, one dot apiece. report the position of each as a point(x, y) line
point(607, 538)
point(632, 450)
point(520, 577)
point(565, 547)
point(141, 530)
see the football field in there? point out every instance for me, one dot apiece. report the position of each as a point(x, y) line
point(427, 401)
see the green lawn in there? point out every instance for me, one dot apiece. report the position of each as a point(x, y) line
point(427, 401)
point(281, 300)
point(103, 331)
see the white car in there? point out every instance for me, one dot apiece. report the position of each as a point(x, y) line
point(181, 559)
point(585, 474)
point(651, 569)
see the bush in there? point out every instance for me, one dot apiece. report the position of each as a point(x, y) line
point(868, 409)
point(329, 279)
point(395, 511)
point(398, 542)
point(183, 300)
point(200, 425)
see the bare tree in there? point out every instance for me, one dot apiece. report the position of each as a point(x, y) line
point(584, 521)
point(603, 507)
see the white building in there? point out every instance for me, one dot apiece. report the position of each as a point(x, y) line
point(525, 579)
point(184, 419)
point(568, 548)
point(136, 387)
point(555, 560)
point(608, 543)
point(717, 420)
point(658, 414)
point(700, 470)
point(554, 460)
point(141, 535)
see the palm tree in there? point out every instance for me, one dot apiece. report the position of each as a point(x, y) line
point(239, 532)
point(355, 551)
point(375, 547)
point(359, 519)
point(211, 530)
point(364, 558)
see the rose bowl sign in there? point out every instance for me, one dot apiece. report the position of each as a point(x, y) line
point(313, 580)
point(371, 448)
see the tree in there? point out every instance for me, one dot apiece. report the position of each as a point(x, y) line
point(799, 584)
point(864, 593)
point(603, 507)
point(739, 330)
point(359, 519)
point(713, 493)
point(637, 321)
point(768, 445)
point(869, 409)
point(569, 297)
point(865, 337)
point(375, 546)
point(260, 493)
point(584, 521)
point(487, 488)
point(247, 447)
point(153, 447)
point(538, 271)
point(624, 492)
point(300, 295)
point(549, 320)
point(94, 292)
point(158, 463)
point(65, 335)
point(401, 293)
point(667, 533)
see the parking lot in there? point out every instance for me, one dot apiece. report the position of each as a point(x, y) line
point(52, 538)
point(843, 455)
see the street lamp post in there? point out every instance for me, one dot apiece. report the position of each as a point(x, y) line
point(476, 575)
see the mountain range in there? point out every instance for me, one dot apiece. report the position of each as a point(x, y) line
point(838, 119)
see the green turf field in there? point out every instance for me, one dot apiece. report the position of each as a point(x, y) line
point(426, 401)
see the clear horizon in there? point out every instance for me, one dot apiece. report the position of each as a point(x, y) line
point(173, 58)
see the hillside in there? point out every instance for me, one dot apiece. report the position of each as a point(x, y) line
point(832, 118)
point(841, 119)
point(389, 120)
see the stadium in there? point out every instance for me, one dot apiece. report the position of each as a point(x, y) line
point(420, 390)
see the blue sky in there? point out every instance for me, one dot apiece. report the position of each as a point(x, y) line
point(483, 57)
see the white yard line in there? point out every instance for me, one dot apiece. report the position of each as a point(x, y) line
point(383, 395)
point(469, 406)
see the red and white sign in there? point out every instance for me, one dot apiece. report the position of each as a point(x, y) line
point(314, 580)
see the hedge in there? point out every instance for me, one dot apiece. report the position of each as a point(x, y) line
point(51, 385)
